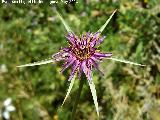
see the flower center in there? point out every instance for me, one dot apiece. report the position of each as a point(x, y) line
point(84, 47)
point(82, 53)
point(83, 50)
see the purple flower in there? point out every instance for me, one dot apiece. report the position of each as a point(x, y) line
point(82, 54)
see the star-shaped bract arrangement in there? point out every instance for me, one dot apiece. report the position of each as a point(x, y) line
point(82, 54)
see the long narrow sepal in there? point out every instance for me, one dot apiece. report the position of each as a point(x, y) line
point(37, 63)
point(125, 61)
point(94, 95)
point(106, 23)
point(64, 23)
point(69, 89)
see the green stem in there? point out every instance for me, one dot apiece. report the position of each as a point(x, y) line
point(78, 96)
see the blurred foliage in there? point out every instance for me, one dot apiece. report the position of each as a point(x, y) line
point(31, 33)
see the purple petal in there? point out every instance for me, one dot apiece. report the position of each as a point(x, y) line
point(59, 56)
point(100, 40)
point(96, 34)
point(95, 65)
point(67, 64)
point(85, 42)
point(94, 39)
point(66, 49)
point(88, 34)
point(87, 67)
point(74, 68)
point(80, 71)
point(71, 38)
point(102, 55)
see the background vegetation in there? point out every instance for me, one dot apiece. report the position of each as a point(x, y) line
point(31, 33)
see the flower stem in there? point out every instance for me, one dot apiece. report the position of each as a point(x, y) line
point(83, 77)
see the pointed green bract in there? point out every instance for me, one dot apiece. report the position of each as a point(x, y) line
point(64, 23)
point(125, 61)
point(94, 95)
point(69, 90)
point(106, 23)
point(37, 63)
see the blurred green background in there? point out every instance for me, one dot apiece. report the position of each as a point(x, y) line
point(31, 33)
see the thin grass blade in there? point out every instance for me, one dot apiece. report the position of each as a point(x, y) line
point(37, 63)
point(94, 95)
point(64, 23)
point(69, 89)
point(106, 23)
point(125, 61)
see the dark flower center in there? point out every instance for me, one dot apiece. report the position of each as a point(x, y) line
point(83, 50)
point(82, 54)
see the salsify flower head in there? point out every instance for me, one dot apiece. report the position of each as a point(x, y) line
point(82, 53)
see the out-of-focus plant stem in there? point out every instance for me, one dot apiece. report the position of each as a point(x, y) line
point(83, 78)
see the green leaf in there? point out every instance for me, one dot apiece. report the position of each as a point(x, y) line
point(125, 61)
point(94, 95)
point(69, 89)
point(64, 23)
point(37, 63)
point(106, 23)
